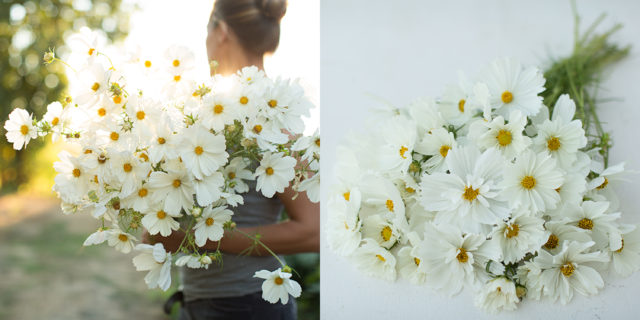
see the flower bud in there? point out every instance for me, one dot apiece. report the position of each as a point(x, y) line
point(49, 56)
point(196, 212)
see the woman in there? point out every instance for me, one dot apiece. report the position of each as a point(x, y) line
point(240, 33)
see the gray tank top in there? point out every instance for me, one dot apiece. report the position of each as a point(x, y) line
point(235, 277)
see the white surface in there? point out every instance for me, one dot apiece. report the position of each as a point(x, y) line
point(401, 50)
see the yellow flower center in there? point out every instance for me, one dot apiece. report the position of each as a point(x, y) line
point(91, 51)
point(504, 138)
point(461, 105)
point(144, 157)
point(470, 193)
point(232, 175)
point(528, 182)
point(54, 122)
point(444, 150)
point(586, 224)
point(176, 63)
point(162, 140)
point(24, 129)
point(462, 256)
point(244, 100)
point(567, 269)
point(402, 151)
point(123, 237)
point(416, 261)
point(346, 195)
point(389, 205)
point(117, 99)
point(198, 150)
point(127, 167)
point(95, 86)
point(318, 142)
point(218, 108)
point(507, 97)
point(114, 136)
point(140, 115)
point(386, 233)
point(143, 192)
point(161, 214)
point(209, 221)
point(553, 144)
point(410, 190)
point(381, 258)
point(177, 183)
point(552, 242)
point(102, 112)
point(604, 184)
point(76, 172)
point(257, 128)
point(147, 64)
point(269, 171)
point(512, 230)
point(273, 103)
point(278, 281)
point(177, 78)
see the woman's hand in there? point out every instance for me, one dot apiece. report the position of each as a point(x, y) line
point(170, 243)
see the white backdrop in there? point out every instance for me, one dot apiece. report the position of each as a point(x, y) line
point(401, 50)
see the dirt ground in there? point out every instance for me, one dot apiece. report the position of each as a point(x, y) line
point(45, 273)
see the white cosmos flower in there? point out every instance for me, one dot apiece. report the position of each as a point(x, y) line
point(624, 250)
point(236, 172)
point(202, 152)
point(520, 235)
point(572, 189)
point(513, 87)
point(175, 189)
point(436, 144)
point(561, 231)
point(20, 128)
point(410, 262)
point(310, 145)
point(72, 181)
point(343, 228)
point(278, 285)
point(58, 118)
point(457, 104)
point(381, 197)
point(129, 171)
point(158, 221)
point(164, 143)
point(286, 104)
point(274, 173)
point(193, 262)
point(497, 295)
point(396, 143)
point(91, 85)
point(383, 231)
point(600, 187)
point(121, 240)
point(86, 44)
point(253, 77)
point(569, 271)
point(374, 260)
point(217, 111)
point(467, 196)
point(266, 132)
point(157, 261)
point(506, 137)
point(311, 186)
point(139, 199)
point(593, 216)
point(531, 182)
point(562, 136)
point(178, 59)
point(210, 224)
point(98, 237)
point(452, 259)
point(209, 189)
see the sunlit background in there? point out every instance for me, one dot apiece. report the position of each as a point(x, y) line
point(42, 261)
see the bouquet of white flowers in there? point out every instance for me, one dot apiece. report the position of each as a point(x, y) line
point(485, 188)
point(154, 150)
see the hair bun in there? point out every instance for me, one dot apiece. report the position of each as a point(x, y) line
point(273, 9)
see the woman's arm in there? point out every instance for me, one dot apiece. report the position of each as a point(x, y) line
point(300, 233)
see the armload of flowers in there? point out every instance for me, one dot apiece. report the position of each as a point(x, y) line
point(486, 189)
point(155, 150)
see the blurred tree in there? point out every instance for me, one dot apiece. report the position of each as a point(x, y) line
point(27, 30)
